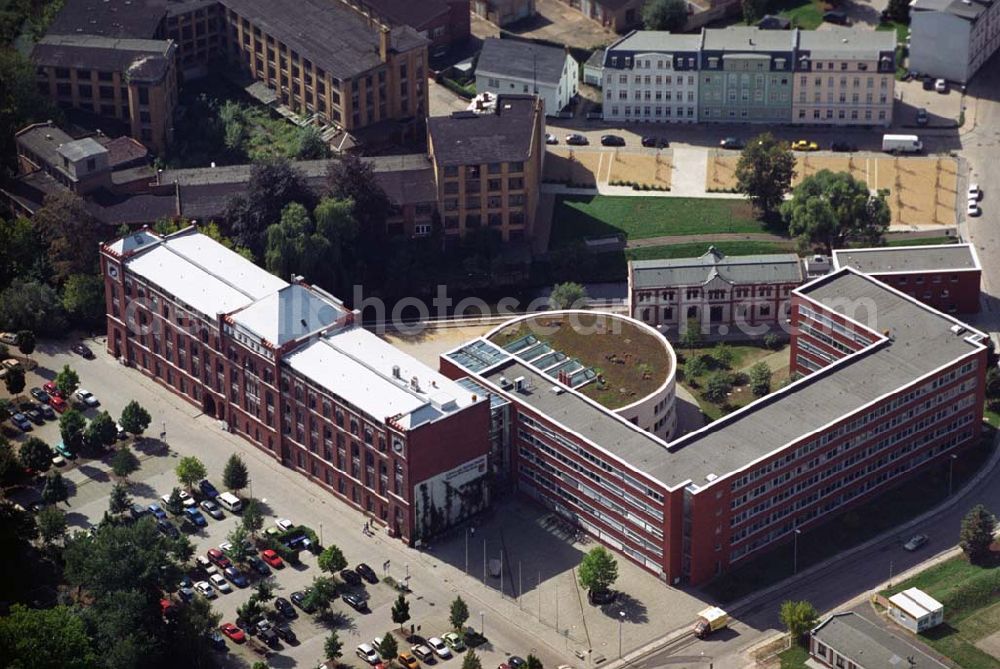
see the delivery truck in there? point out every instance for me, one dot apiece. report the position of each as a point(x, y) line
point(710, 620)
point(902, 144)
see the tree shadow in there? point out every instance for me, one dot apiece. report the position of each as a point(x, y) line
point(93, 473)
point(635, 611)
point(151, 446)
point(142, 489)
point(78, 520)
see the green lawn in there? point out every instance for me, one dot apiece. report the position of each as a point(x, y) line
point(971, 610)
point(695, 249)
point(805, 14)
point(744, 356)
point(910, 499)
point(922, 241)
point(902, 30)
point(577, 217)
point(794, 658)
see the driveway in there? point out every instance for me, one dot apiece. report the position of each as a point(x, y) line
point(558, 22)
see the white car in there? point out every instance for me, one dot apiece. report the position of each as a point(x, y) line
point(205, 589)
point(87, 398)
point(940, 85)
point(284, 524)
point(439, 647)
point(551, 139)
point(187, 500)
point(221, 584)
point(59, 461)
point(973, 209)
point(367, 653)
point(206, 565)
point(974, 192)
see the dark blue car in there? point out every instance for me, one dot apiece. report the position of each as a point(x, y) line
point(207, 489)
point(194, 515)
point(236, 577)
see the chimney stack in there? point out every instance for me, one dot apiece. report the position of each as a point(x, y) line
point(383, 44)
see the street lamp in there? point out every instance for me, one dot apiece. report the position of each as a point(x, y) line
point(321, 534)
point(482, 624)
point(621, 622)
point(951, 463)
point(795, 551)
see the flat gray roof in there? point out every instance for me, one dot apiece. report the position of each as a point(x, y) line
point(756, 269)
point(967, 10)
point(749, 38)
point(896, 259)
point(869, 645)
point(522, 60)
point(657, 40)
point(922, 341)
point(846, 43)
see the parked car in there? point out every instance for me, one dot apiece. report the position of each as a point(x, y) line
point(212, 509)
point(46, 412)
point(122, 434)
point(973, 209)
point(975, 193)
point(655, 142)
point(612, 140)
point(234, 633)
point(551, 139)
point(236, 577)
point(284, 607)
point(454, 642)
point(83, 350)
point(194, 515)
point(52, 389)
point(838, 17)
point(269, 637)
point(205, 565)
point(34, 415)
point(356, 602)
point(299, 599)
point(407, 661)
point(218, 558)
point(187, 500)
point(915, 542)
point(62, 449)
point(922, 117)
point(928, 83)
point(516, 662)
point(272, 558)
point(87, 398)
point(157, 512)
point(186, 593)
point(258, 565)
point(207, 489)
point(58, 461)
point(804, 145)
point(576, 139)
point(940, 85)
point(21, 422)
point(220, 583)
point(439, 647)
point(367, 573)
point(350, 577)
point(731, 143)
point(138, 511)
point(40, 395)
point(58, 403)
point(168, 529)
point(284, 631)
point(842, 147)
point(284, 524)
point(205, 589)
point(423, 652)
point(368, 654)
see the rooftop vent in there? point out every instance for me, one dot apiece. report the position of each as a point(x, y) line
point(710, 477)
point(415, 384)
point(395, 372)
point(557, 390)
point(505, 382)
point(521, 384)
point(957, 329)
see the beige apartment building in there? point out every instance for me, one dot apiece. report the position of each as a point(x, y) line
point(844, 77)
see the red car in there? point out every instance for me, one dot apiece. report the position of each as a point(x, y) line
point(219, 559)
point(272, 558)
point(233, 632)
point(52, 390)
point(58, 403)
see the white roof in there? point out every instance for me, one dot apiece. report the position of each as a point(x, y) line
point(358, 366)
point(203, 273)
point(916, 603)
point(133, 241)
point(288, 314)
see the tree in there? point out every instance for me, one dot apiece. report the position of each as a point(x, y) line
point(264, 590)
point(332, 560)
point(718, 386)
point(26, 342)
point(352, 179)
point(35, 455)
point(22, 253)
point(189, 471)
point(898, 11)
point(235, 476)
point(72, 233)
point(598, 570)
point(20, 101)
point(400, 611)
point(46, 637)
point(798, 618)
point(764, 172)
point(119, 501)
point(71, 428)
point(568, 295)
point(51, 524)
point(253, 518)
point(9, 469)
point(174, 503)
point(993, 382)
point(665, 15)
point(134, 418)
point(724, 354)
point(30, 304)
point(753, 10)
point(691, 336)
point(333, 647)
point(83, 299)
point(55, 490)
point(124, 463)
point(532, 662)
point(321, 593)
point(250, 611)
point(833, 208)
point(335, 241)
point(976, 535)
point(101, 431)
point(67, 381)
point(694, 367)
point(760, 379)
point(311, 144)
point(188, 638)
point(471, 660)
point(389, 647)
point(14, 381)
point(273, 184)
point(459, 613)
point(294, 247)
point(240, 550)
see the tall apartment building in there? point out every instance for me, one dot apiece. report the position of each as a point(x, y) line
point(288, 368)
point(844, 77)
point(488, 166)
point(652, 76)
point(951, 39)
point(840, 76)
point(714, 290)
point(889, 387)
point(326, 58)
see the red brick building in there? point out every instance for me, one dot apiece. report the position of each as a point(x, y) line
point(890, 386)
point(288, 368)
point(945, 276)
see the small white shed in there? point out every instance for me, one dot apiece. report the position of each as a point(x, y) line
point(915, 610)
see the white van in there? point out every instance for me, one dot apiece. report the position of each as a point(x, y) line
point(229, 501)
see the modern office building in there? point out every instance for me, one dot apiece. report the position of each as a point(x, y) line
point(652, 76)
point(288, 367)
point(844, 77)
point(514, 66)
point(714, 290)
point(889, 386)
point(488, 165)
point(946, 277)
point(951, 39)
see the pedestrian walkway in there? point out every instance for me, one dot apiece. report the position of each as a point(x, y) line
point(690, 168)
point(667, 240)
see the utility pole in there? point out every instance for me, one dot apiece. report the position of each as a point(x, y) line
point(466, 551)
point(795, 551)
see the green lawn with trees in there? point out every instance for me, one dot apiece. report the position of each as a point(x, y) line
point(695, 249)
point(726, 377)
